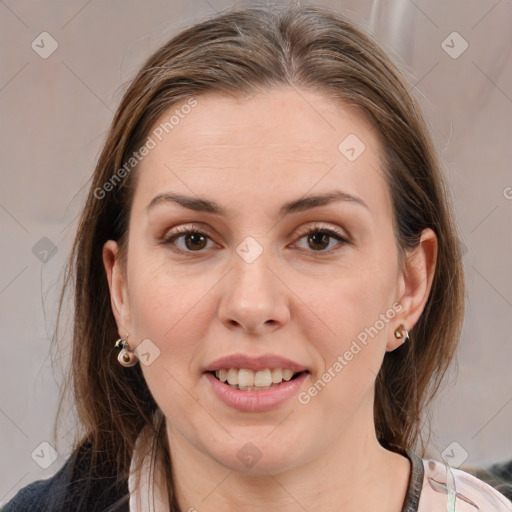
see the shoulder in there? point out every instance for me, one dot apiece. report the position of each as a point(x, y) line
point(499, 476)
point(444, 485)
point(73, 487)
point(42, 495)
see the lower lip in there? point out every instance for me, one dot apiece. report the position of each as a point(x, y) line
point(256, 401)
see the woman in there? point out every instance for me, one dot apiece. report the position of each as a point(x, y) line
point(268, 283)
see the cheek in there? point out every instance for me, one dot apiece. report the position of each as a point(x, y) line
point(171, 313)
point(347, 323)
point(351, 351)
point(342, 308)
point(172, 310)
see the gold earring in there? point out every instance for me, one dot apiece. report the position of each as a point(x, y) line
point(125, 357)
point(399, 333)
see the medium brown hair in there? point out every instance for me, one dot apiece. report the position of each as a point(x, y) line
point(242, 52)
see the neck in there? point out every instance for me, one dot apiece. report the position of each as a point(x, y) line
point(357, 474)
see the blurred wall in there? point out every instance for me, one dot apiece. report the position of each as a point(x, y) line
point(63, 69)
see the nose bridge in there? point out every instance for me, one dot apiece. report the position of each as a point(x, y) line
point(254, 298)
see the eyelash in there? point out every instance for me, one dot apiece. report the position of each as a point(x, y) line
point(181, 231)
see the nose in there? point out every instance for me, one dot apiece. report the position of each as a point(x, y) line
point(254, 299)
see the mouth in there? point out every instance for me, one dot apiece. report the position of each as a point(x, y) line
point(245, 379)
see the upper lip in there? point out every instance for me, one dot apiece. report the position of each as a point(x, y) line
point(254, 363)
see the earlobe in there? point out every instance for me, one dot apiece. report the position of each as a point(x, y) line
point(118, 287)
point(416, 282)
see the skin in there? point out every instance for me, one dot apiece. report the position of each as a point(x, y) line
point(303, 301)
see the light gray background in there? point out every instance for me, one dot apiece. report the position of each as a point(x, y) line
point(54, 113)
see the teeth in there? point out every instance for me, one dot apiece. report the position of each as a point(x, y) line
point(245, 378)
point(263, 379)
point(249, 380)
point(287, 374)
point(232, 376)
point(277, 375)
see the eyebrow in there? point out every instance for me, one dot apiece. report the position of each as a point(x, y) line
point(297, 205)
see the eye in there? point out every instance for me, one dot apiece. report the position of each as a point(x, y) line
point(318, 237)
point(193, 239)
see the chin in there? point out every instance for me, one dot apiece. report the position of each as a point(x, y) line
point(254, 464)
point(257, 455)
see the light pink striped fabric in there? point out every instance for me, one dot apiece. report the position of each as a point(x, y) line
point(453, 490)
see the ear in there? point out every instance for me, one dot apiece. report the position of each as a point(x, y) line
point(415, 282)
point(117, 284)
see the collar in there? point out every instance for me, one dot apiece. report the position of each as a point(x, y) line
point(146, 485)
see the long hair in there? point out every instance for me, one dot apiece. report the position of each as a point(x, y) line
point(241, 52)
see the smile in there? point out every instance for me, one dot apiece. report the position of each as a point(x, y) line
point(245, 379)
point(255, 398)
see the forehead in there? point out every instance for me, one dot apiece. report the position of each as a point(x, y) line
point(281, 143)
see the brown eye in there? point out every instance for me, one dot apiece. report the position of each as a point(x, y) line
point(195, 241)
point(191, 240)
point(319, 238)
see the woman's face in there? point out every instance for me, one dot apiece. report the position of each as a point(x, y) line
point(251, 290)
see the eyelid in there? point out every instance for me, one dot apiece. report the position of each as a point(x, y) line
point(324, 227)
point(171, 234)
point(184, 228)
